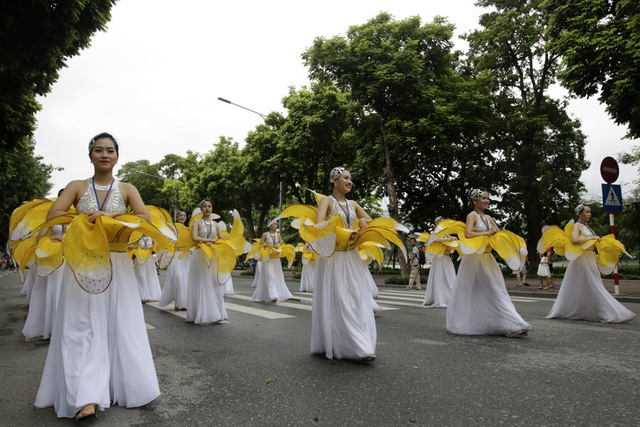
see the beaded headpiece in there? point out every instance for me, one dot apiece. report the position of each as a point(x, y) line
point(336, 173)
point(475, 194)
point(579, 208)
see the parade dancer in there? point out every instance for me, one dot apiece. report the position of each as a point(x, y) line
point(342, 319)
point(442, 273)
point(99, 352)
point(205, 294)
point(269, 283)
point(582, 295)
point(479, 303)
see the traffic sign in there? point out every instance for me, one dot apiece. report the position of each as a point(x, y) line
point(611, 198)
point(609, 170)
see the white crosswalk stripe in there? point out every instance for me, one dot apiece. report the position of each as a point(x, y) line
point(388, 300)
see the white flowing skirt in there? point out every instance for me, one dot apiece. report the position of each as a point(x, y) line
point(29, 277)
point(34, 325)
point(270, 282)
point(479, 303)
point(176, 281)
point(442, 274)
point(342, 322)
point(99, 351)
point(307, 276)
point(583, 296)
point(148, 282)
point(54, 283)
point(228, 287)
point(205, 296)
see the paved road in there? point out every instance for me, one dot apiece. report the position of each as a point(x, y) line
point(257, 370)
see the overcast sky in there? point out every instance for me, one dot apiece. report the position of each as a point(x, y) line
point(153, 78)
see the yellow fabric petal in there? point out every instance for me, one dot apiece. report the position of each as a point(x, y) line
point(185, 239)
point(300, 211)
point(507, 245)
point(28, 218)
point(48, 256)
point(609, 251)
point(225, 260)
point(552, 237)
point(23, 252)
point(86, 251)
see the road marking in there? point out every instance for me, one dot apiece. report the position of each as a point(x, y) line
point(277, 304)
point(257, 312)
point(229, 306)
point(383, 307)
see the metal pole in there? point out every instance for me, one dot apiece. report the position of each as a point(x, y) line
point(616, 282)
point(280, 220)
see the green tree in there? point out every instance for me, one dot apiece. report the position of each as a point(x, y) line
point(312, 138)
point(599, 41)
point(394, 72)
point(144, 176)
point(539, 149)
point(23, 176)
point(37, 37)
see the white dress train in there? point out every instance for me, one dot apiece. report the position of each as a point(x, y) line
point(442, 275)
point(479, 303)
point(342, 322)
point(176, 281)
point(205, 296)
point(582, 295)
point(147, 277)
point(270, 282)
point(307, 276)
point(34, 326)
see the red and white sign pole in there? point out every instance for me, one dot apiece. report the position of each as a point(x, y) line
point(609, 171)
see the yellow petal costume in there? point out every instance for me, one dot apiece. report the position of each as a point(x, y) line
point(608, 249)
point(226, 250)
point(85, 246)
point(511, 247)
point(334, 235)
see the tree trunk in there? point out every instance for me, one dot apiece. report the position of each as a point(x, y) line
point(405, 268)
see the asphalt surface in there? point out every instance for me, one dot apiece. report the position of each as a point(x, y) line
point(257, 370)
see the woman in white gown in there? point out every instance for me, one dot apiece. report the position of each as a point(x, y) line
point(205, 295)
point(269, 282)
point(479, 303)
point(99, 352)
point(343, 325)
point(582, 295)
point(146, 271)
point(176, 281)
point(442, 273)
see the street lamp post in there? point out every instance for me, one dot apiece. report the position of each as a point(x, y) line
point(263, 117)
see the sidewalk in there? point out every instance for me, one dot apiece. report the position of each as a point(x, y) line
point(629, 289)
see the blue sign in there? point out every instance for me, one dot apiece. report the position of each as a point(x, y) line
point(611, 198)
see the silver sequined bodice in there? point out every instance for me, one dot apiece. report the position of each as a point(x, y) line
point(480, 223)
point(272, 239)
point(340, 210)
point(88, 201)
point(210, 227)
point(57, 230)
